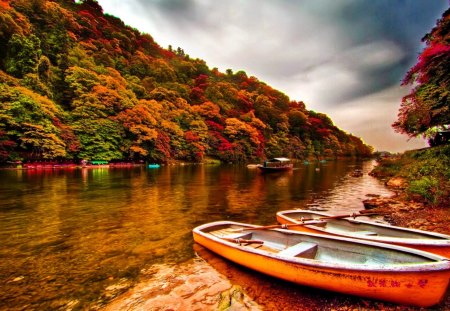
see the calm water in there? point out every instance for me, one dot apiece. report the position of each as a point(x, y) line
point(76, 238)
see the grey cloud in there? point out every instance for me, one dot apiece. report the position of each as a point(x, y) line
point(325, 52)
point(283, 39)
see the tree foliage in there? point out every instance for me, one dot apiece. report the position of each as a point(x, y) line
point(77, 83)
point(428, 104)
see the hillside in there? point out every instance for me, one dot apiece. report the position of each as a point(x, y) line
point(76, 83)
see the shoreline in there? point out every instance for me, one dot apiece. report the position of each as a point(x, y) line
point(404, 211)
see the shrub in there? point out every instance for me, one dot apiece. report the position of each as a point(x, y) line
point(427, 188)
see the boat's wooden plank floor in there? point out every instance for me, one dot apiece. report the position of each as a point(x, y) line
point(234, 233)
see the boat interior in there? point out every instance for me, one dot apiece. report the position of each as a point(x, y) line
point(299, 245)
point(349, 226)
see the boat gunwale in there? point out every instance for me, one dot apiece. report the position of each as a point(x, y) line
point(277, 168)
point(443, 242)
point(437, 262)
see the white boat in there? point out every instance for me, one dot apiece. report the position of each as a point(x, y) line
point(367, 230)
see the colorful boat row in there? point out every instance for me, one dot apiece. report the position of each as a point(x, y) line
point(91, 164)
point(337, 253)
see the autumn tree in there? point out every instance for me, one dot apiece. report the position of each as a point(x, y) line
point(428, 104)
point(7, 147)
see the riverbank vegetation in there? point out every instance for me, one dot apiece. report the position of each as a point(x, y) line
point(424, 174)
point(421, 178)
point(76, 83)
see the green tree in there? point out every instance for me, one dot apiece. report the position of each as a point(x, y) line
point(23, 55)
point(100, 139)
point(30, 120)
point(42, 143)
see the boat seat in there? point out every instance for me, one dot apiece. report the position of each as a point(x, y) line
point(365, 233)
point(302, 249)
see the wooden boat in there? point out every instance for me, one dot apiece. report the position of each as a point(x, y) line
point(363, 268)
point(276, 165)
point(367, 230)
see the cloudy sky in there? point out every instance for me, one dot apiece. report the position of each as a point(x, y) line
point(345, 58)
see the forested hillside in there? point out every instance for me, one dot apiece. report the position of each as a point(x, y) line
point(76, 83)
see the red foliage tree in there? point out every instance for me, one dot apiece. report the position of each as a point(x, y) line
point(428, 104)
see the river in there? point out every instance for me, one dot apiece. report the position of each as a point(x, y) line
point(75, 239)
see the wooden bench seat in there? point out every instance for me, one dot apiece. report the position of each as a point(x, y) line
point(302, 249)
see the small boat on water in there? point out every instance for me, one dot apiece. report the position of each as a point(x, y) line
point(367, 230)
point(276, 165)
point(362, 268)
point(154, 165)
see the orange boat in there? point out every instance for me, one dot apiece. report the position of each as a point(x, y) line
point(436, 243)
point(363, 268)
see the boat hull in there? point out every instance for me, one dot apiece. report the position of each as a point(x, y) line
point(417, 287)
point(275, 169)
point(432, 242)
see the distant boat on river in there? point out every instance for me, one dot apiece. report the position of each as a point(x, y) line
point(276, 165)
point(362, 268)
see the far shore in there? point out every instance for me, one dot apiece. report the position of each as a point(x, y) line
point(207, 161)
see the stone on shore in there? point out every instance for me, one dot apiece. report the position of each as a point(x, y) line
point(380, 202)
point(397, 182)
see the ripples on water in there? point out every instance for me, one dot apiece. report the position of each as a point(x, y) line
point(77, 238)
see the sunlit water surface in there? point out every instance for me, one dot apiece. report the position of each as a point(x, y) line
point(77, 238)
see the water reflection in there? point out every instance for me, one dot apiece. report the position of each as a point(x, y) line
point(69, 236)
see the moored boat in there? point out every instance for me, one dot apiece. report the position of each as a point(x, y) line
point(368, 230)
point(363, 268)
point(276, 165)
